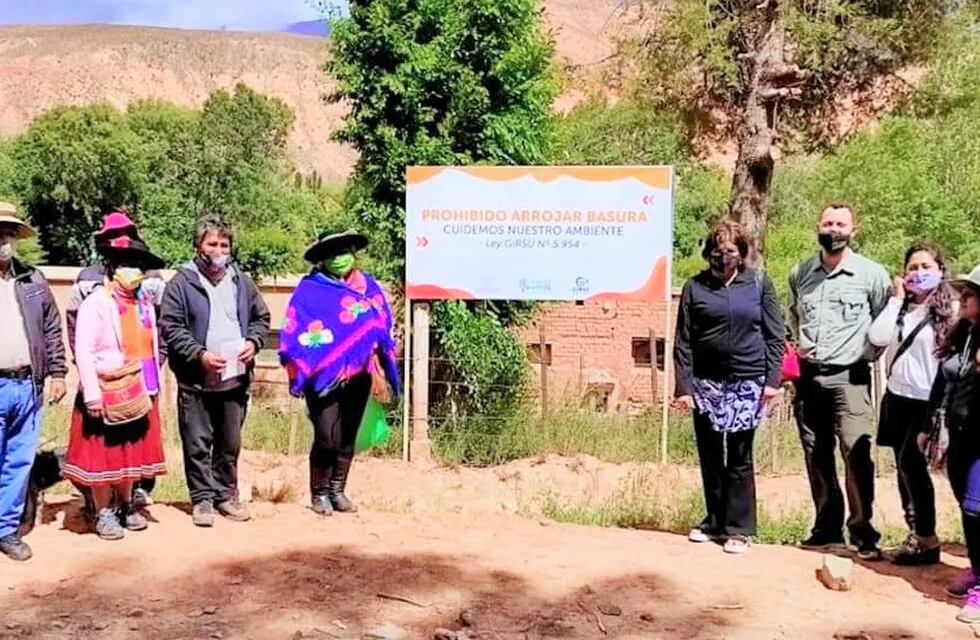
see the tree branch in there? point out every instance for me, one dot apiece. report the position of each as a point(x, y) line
point(785, 75)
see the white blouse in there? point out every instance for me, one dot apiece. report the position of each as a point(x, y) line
point(914, 372)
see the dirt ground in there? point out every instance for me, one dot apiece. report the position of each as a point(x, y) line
point(449, 541)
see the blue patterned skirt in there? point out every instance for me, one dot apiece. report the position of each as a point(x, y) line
point(731, 405)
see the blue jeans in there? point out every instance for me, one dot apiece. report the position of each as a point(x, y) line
point(20, 423)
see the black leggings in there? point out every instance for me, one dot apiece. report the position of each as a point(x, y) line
point(963, 453)
point(902, 419)
point(336, 418)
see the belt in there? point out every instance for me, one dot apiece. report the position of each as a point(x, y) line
point(20, 373)
point(817, 369)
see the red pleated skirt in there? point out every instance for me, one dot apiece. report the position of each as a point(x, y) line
point(106, 455)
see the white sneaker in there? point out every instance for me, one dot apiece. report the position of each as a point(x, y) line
point(697, 535)
point(738, 545)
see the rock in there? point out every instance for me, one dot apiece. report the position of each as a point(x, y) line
point(136, 613)
point(101, 625)
point(646, 617)
point(610, 609)
point(43, 592)
point(134, 626)
point(976, 631)
point(466, 618)
point(58, 624)
point(236, 581)
point(836, 573)
point(444, 634)
point(210, 610)
point(217, 635)
point(387, 631)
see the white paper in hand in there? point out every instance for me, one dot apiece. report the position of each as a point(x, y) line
point(229, 351)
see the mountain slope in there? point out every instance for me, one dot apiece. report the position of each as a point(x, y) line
point(41, 67)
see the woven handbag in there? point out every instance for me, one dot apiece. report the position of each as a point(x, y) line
point(124, 395)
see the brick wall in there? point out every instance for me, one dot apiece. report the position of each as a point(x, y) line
point(599, 352)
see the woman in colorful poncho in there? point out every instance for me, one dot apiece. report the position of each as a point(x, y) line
point(337, 347)
point(116, 326)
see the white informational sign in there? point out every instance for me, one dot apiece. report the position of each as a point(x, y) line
point(539, 233)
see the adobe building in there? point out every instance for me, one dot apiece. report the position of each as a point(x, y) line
point(609, 355)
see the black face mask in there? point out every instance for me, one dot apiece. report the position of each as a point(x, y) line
point(724, 263)
point(833, 241)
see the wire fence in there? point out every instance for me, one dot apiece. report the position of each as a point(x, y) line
point(555, 409)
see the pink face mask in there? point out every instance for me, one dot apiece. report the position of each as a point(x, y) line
point(923, 282)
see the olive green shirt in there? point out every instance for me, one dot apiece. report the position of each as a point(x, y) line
point(831, 312)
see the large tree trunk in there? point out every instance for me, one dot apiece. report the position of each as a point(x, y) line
point(768, 78)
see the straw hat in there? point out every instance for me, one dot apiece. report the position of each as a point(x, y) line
point(9, 219)
point(970, 281)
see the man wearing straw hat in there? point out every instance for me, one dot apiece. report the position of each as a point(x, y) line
point(31, 350)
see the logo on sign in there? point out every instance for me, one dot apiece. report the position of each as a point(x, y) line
point(534, 286)
point(581, 285)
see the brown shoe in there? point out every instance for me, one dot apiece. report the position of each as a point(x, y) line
point(234, 511)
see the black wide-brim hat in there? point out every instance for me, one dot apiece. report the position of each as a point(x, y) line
point(332, 244)
point(132, 251)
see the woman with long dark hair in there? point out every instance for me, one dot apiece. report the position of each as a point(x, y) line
point(957, 398)
point(918, 319)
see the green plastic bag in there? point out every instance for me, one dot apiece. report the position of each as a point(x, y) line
point(374, 429)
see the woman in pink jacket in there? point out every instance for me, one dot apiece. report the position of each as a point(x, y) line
point(116, 328)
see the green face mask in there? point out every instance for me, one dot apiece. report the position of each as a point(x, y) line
point(339, 265)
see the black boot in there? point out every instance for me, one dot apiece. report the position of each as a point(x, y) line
point(319, 483)
point(338, 482)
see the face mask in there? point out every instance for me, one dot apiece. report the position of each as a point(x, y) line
point(128, 278)
point(922, 282)
point(339, 265)
point(216, 261)
point(6, 248)
point(833, 241)
point(724, 263)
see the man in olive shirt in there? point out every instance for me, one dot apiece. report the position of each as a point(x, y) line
point(835, 296)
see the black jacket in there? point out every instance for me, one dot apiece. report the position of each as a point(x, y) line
point(728, 332)
point(957, 386)
point(185, 314)
point(42, 323)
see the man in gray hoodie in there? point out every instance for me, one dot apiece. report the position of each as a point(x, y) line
point(214, 321)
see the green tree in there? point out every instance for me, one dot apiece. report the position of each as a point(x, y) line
point(750, 59)
point(441, 82)
point(437, 82)
point(166, 164)
point(71, 166)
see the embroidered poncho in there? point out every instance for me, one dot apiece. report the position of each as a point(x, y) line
point(332, 331)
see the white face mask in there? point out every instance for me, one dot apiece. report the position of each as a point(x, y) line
point(6, 248)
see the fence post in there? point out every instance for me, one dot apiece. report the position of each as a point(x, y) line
point(653, 367)
point(668, 361)
point(421, 447)
point(293, 426)
point(772, 438)
point(543, 348)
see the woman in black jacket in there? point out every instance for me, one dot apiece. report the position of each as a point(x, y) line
point(728, 357)
point(957, 394)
